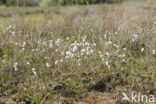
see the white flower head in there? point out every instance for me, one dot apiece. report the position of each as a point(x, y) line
point(28, 63)
point(82, 54)
point(107, 63)
point(115, 45)
point(67, 38)
point(142, 49)
point(68, 53)
point(57, 41)
point(62, 53)
point(9, 27)
point(101, 56)
point(94, 44)
point(56, 62)
point(13, 33)
point(91, 51)
point(50, 41)
point(83, 50)
point(16, 63)
point(123, 60)
point(108, 43)
point(22, 50)
point(46, 58)
point(47, 65)
point(74, 48)
point(24, 43)
point(16, 68)
point(154, 52)
point(107, 54)
point(105, 36)
point(34, 71)
point(56, 50)
point(51, 45)
point(61, 60)
point(116, 33)
point(99, 52)
point(124, 49)
point(134, 37)
point(66, 57)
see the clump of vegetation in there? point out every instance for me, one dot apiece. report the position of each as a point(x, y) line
point(47, 3)
point(76, 56)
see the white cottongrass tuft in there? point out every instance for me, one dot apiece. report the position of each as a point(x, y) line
point(15, 66)
point(28, 63)
point(142, 49)
point(74, 48)
point(154, 52)
point(56, 62)
point(134, 37)
point(47, 65)
point(57, 41)
point(108, 43)
point(34, 71)
point(107, 54)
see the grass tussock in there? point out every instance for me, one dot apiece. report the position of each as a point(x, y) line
point(66, 54)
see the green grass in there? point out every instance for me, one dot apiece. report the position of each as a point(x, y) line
point(77, 54)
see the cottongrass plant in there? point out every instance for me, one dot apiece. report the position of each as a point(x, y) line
point(70, 55)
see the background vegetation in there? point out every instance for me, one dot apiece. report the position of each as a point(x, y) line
point(53, 2)
point(77, 54)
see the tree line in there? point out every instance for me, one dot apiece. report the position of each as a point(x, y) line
point(54, 2)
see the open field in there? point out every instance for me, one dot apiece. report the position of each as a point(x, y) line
point(77, 54)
